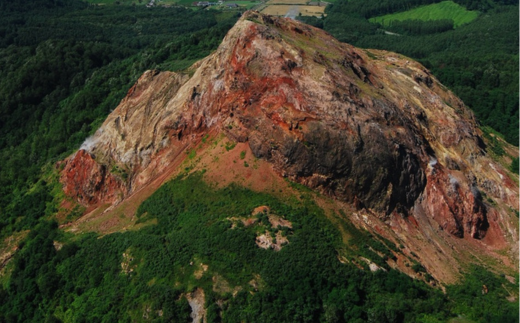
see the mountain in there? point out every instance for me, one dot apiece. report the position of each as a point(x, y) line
point(383, 143)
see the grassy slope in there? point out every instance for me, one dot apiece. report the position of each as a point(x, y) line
point(438, 11)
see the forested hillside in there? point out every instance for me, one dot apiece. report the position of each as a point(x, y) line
point(194, 239)
point(65, 65)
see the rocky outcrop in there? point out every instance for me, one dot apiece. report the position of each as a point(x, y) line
point(89, 181)
point(132, 146)
point(367, 127)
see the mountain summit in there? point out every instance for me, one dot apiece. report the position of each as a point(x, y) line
point(370, 129)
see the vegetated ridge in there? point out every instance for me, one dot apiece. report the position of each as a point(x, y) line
point(368, 128)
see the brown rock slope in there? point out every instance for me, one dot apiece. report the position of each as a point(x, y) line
point(371, 129)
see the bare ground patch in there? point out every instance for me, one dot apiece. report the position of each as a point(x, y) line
point(287, 2)
point(282, 10)
point(8, 248)
point(201, 269)
point(224, 165)
point(127, 265)
point(266, 241)
point(196, 300)
point(277, 221)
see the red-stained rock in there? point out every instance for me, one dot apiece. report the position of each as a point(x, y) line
point(367, 127)
point(90, 182)
point(457, 208)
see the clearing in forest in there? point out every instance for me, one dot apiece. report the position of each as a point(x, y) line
point(438, 11)
point(289, 2)
point(282, 10)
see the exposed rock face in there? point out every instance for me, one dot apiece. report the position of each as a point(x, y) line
point(367, 127)
point(89, 181)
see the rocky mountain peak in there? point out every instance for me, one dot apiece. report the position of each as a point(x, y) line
point(367, 127)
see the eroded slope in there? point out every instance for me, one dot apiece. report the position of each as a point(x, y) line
point(371, 129)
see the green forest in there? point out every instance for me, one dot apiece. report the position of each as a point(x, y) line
point(149, 270)
point(66, 64)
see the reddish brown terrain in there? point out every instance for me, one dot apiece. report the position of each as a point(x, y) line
point(373, 131)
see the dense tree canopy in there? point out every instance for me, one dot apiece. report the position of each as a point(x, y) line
point(145, 275)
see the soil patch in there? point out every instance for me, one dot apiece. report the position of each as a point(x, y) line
point(196, 300)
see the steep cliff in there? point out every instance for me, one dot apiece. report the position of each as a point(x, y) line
point(368, 128)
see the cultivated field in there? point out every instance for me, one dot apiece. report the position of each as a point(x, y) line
point(243, 4)
point(442, 10)
point(101, 2)
point(282, 10)
point(246, 4)
point(289, 2)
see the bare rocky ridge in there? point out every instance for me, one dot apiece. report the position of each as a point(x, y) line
point(370, 128)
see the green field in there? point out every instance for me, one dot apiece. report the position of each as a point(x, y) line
point(247, 4)
point(141, 2)
point(127, 2)
point(442, 10)
point(111, 1)
point(242, 4)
